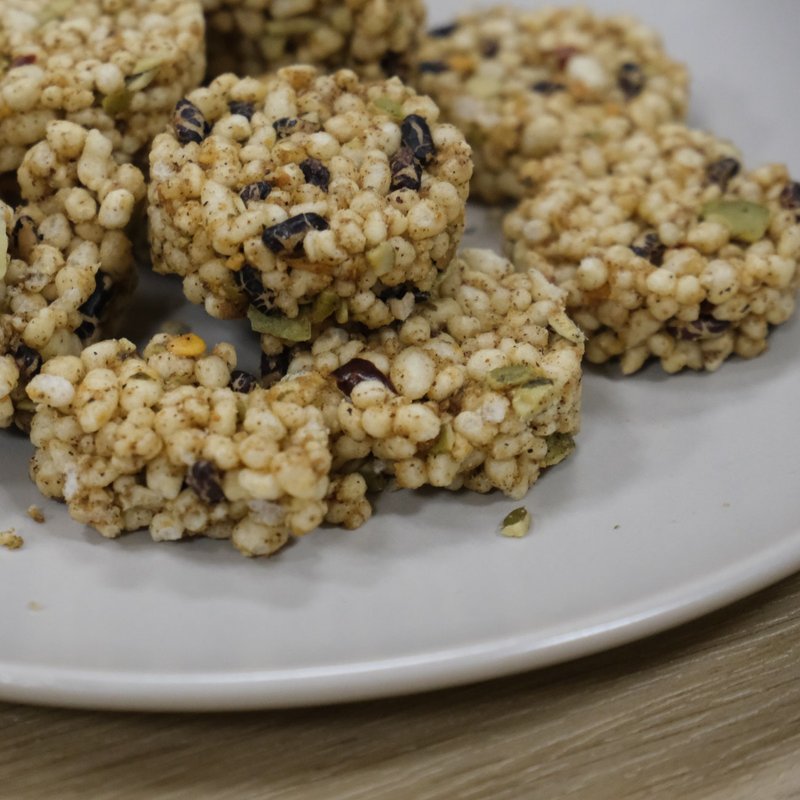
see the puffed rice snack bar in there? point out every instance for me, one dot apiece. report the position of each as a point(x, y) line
point(667, 248)
point(523, 84)
point(376, 38)
point(163, 442)
point(66, 266)
point(301, 196)
point(480, 388)
point(116, 66)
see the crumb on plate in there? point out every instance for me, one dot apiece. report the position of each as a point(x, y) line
point(36, 513)
point(11, 540)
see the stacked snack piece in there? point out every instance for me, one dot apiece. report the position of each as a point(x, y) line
point(522, 84)
point(303, 196)
point(667, 248)
point(67, 263)
point(479, 389)
point(376, 38)
point(163, 442)
point(117, 67)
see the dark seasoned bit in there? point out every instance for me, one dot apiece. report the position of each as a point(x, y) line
point(256, 191)
point(432, 66)
point(85, 330)
point(416, 135)
point(287, 237)
point(273, 368)
point(98, 301)
point(349, 375)
point(24, 237)
point(490, 48)
point(443, 31)
point(21, 61)
point(631, 79)
point(723, 171)
point(286, 126)
point(249, 280)
point(28, 361)
point(392, 64)
point(790, 196)
point(316, 173)
point(652, 249)
point(706, 326)
point(204, 479)
point(406, 170)
point(562, 55)
point(96, 306)
point(240, 107)
point(401, 290)
point(189, 123)
point(243, 382)
point(548, 87)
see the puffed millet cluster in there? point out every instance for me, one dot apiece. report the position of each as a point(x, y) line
point(307, 196)
point(376, 38)
point(162, 441)
point(480, 388)
point(523, 84)
point(68, 266)
point(116, 66)
point(666, 247)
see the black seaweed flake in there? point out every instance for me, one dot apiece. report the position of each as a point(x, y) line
point(316, 173)
point(287, 237)
point(189, 123)
point(204, 479)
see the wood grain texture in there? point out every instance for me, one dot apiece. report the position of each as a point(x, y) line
point(710, 710)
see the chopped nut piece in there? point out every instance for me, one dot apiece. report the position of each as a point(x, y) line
point(559, 446)
point(746, 221)
point(36, 514)
point(517, 523)
point(532, 398)
point(189, 345)
point(512, 375)
point(297, 329)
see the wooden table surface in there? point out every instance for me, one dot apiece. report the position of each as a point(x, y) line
point(710, 710)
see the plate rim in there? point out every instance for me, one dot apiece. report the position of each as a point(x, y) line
point(120, 690)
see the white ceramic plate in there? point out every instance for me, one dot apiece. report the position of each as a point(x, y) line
point(682, 496)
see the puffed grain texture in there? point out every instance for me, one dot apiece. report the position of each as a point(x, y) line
point(376, 38)
point(525, 83)
point(161, 441)
point(645, 234)
point(118, 67)
point(307, 195)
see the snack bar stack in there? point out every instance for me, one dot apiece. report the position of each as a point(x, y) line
point(480, 388)
point(523, 84)
point(668, 249)
point(66, 262)
point(376, 38)
point(301, 197)
point(176, 442)
point(118, 67)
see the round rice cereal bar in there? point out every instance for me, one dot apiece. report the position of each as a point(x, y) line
point(376, 38)
point(522, 84)
point(119, 67)
point(666, 247)
point(302, 196)
point(165, 442)
point(66, 263)
point(480, 388)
